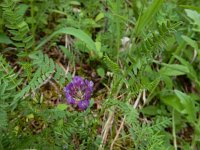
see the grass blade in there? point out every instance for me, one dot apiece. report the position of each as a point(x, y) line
point(71, 31)
point(148, 15)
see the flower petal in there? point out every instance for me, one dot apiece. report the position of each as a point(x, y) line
point(79, 89)
point(78, 81)
point(83, 104)
point(70, 99)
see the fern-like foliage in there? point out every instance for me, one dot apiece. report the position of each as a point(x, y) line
point(60, 129)
point(46, 69)
point(138, 85)
point(47, 66)
point(144, 135)
point(155, 43)
point(148, 135)
point(8, 83)
point(161, 123)
point(131, 77)
point(8, 79)
point(125, 108)
point(135, 75)
point(3, 117)
point(112, 66)
point(13, 16)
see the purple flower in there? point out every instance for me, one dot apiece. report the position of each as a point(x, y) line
point(78, 92)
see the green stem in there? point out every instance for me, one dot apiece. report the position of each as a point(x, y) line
point(195, 135)
point(11, 77)
point(174, 130)
point(178, 50)
point(32, 22)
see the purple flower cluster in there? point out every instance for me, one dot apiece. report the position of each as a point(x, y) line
point(78, 92)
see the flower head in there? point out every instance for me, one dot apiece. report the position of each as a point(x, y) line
point(78, 92)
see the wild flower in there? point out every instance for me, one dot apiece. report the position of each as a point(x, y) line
point(78, 92)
